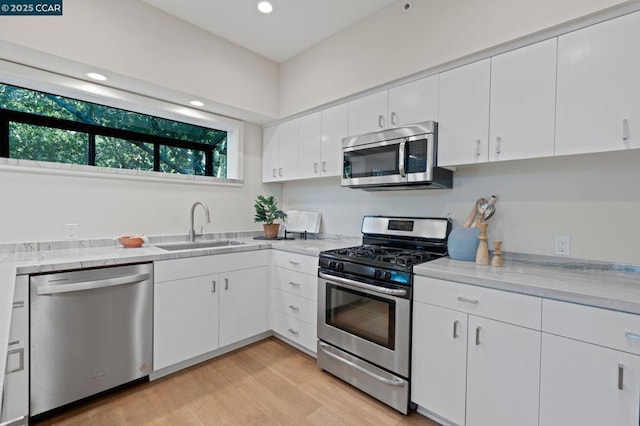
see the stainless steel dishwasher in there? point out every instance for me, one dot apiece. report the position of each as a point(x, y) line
point(91, 330)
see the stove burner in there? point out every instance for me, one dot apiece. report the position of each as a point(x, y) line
point(390, 255)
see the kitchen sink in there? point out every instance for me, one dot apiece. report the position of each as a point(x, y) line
point(198, 245)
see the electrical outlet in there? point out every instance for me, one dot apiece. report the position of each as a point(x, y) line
point(563, 245)
point(71, 231)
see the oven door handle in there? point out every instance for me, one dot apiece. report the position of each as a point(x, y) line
point(327, 350)
point(370, 287)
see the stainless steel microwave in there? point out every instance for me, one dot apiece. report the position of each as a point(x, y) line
point(400, 158)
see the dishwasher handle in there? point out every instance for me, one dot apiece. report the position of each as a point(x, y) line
point(91, 285)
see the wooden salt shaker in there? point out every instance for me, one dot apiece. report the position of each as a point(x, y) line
point(482, 255)
point(497, 254)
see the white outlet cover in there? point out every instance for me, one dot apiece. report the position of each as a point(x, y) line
point(563, 245)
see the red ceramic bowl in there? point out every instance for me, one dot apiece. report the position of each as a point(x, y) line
point(131, 242)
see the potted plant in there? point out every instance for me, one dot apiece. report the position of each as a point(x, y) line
point(267, 212)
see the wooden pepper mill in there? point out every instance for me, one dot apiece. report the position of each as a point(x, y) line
point(497, 254)
point(482, 255)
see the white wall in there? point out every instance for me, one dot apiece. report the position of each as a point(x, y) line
point(36, 206)
point(391, 44)
point(592, 198)
point(135, 40)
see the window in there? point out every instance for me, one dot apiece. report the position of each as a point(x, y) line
point(40, 126)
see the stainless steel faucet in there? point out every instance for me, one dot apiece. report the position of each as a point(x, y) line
point(192, 232)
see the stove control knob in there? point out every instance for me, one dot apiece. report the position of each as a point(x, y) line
point(387, 276)
point(340, 266)
point(332, 265)
point(377, 273)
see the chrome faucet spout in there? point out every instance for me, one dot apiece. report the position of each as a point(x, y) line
point(192, 231)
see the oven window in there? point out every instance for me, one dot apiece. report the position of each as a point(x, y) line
point(369, 317)
point(369, 162)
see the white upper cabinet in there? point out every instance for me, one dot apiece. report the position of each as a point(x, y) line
point(598, 105)
point(309, 145)
point(463, 126)
point(270, 154)
point(369, 113)
point(413, 102)
point(522, 113)
point(335, 127)
point(288, 150)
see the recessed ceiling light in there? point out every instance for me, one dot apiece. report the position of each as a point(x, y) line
point(265, 7)
point(96, 76)
point(196, 103)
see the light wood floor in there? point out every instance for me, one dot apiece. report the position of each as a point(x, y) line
point(267, 383)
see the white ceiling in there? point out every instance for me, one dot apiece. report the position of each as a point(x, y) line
point(293, 26)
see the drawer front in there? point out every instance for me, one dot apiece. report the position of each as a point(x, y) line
point(188, 267)
point(612, 329)
point(296, 262)
point(518, 309)
point(295, 330)
point(295, 306)
point(297, 283)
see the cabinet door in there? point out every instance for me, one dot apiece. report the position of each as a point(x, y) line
point(309, 146)
point(185, 319)
point(270, 154)
point(243, 304)
point(414, 102)
point(598, 87)
point(503, 374)
point(335, 127)
point(288, 150)
point(439, 361)
point(463, 129)
point(369, 113)
point(580, 384)
point(523, 98)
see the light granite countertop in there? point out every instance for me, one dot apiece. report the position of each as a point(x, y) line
point(604, 285)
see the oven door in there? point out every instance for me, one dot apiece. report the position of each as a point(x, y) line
point(366, 321)
point(374, 164)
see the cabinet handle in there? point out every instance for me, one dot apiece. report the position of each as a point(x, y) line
point(294, 263)
point(394, 118)
point(477, 147)
point(625, 130)
point(466, 300)
point(620, 376)
point(315, 167)
point(213, 286)
point(226, 283)
point(294, 308)
point(631, 336)
point(280, 172)
point(498, 140)
point(274, 173)
point(294, 332)
point(295, 284)
point(381, 121)
point(455, 329)
point(324, 166)
point(478, 336)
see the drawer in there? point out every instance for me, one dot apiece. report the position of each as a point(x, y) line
point(188, 267)
point(296, 262)
point(295, 306)
point(297, 283)
point(513, 308)
point(612, 329)
point(295, 330)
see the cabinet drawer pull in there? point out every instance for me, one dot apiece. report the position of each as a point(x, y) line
point(477, 147)
point(631, 336)
point(625, 130)
point(294, 332)
point(294, 263)
point(381, 121)
point(294, 284)
point(467, 300)
point(226, 283)
point(498, 140)
point(294, 308)
point(478, 336)
point(455, 329)
point(315, 167)
point(213, 286)
point(324, 166)
point(620, 376)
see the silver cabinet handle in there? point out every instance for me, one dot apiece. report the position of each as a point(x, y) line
point(394, 118)
point(294, 332)
point(477, 147)
point(294, 308)
point(20, 352)
point(294, 284)
point(274, 173)
point(467, 300)
point(455, 329)
point(315, 167)
point(620, 376)
point(381, 121)
point(498, 140)
point(213, 286)
point(280, 172)
point(478, 336)
point(91, 285)
point(625, 130)
point(324, 166)
point(294, 263)
point(226, 283)
point(631, 336)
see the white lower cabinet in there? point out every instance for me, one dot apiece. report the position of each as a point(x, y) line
point(469, 369)
point(205, 303)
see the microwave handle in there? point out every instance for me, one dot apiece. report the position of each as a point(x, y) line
point(401, 159)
